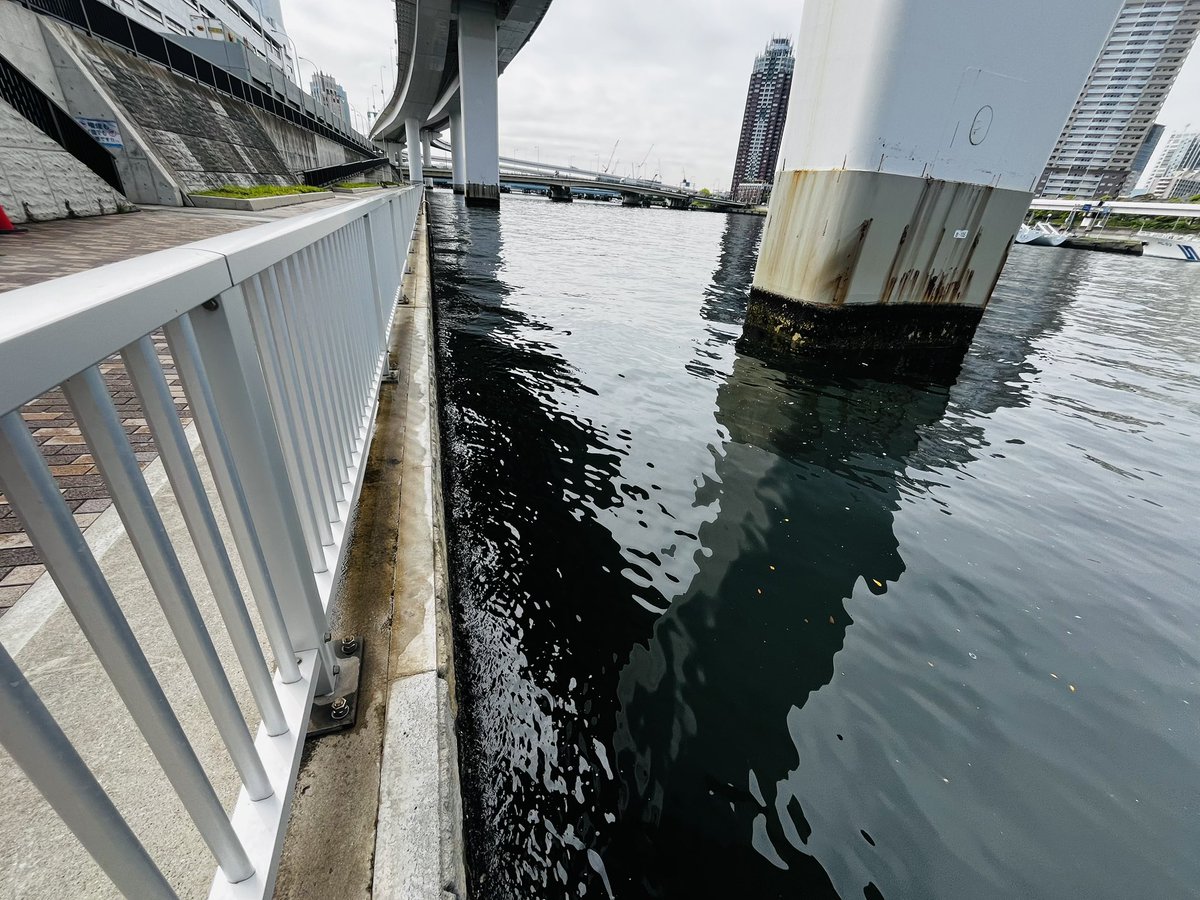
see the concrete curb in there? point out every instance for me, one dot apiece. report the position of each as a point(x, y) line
point(256, 203)
point(342, 190)
point(380, 804)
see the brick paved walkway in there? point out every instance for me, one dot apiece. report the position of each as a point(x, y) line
point(54, 249)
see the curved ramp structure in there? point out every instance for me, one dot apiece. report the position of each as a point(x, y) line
point(450, 55)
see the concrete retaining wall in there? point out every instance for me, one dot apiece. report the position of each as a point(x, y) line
point(40, 180)
point(179, 136)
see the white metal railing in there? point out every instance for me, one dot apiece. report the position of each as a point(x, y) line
point(279, 335)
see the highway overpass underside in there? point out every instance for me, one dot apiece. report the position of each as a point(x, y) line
point(450, 57)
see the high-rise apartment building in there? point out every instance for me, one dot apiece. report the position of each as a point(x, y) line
point(332, 96)
point(1121, 98)
point(766, 112)
point(1178, 167)
point(1144, 155)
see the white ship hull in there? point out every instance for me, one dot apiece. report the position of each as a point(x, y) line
point(1183, 251)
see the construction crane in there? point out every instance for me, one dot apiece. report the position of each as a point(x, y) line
point(638, 171)
point(610, 157)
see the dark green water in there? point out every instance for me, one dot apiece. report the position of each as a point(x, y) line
point(727, 628)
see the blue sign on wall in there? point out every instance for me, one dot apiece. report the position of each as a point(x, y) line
point(105, 131)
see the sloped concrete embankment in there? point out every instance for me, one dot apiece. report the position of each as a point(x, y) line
point(176, 135)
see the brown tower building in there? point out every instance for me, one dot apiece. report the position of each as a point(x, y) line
point(766, 112)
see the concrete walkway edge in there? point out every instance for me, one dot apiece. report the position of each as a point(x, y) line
point(418, 846)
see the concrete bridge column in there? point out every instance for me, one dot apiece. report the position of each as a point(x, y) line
point(916, 134)
point(560, 193)
point(412, 133)
point(480, 115)
point(427, 148)
point(457, 156)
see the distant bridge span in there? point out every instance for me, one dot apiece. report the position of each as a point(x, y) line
point(548, 175)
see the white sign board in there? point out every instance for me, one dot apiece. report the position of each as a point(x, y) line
point(106, 131)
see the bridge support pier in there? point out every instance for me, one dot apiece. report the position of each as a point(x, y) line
point(674, 203)
point(457, 154)
point(478, 90)
point(560, 193)
point(634, 200)
point(412, 134)
point(903, 183)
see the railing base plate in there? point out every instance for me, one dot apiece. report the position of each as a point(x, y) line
point(339, 710)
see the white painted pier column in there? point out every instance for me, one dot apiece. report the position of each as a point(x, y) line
point(427, 148)
point(478, 75)
point(412, 134)
point(916, 133)
point(458, 163)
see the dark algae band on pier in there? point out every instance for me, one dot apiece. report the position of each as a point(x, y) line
point(728, 625)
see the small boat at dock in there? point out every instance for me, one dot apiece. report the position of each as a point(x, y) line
point(1040, 234)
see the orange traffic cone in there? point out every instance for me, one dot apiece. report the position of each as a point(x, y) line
point(6, 225)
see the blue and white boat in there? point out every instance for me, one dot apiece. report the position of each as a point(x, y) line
point(1167, 247)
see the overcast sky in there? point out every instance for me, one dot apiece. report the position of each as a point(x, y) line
point(667, 73)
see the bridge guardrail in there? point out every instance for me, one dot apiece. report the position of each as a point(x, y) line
point(279, 335)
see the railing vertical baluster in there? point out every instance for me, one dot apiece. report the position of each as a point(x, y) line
point(226, 341)
point(397, 205)
point(327, 260)
point(98, 421)
point(290, 324)
point(182, 342)
point(351, 337)
point(31, 490)
point(315, 343)
point(289, 419)
point(322, 317)
point(141, 362)
point(362, 303)
point(375, 267)
point(45, 754)
point(340, 252)
point(316, 339)
point(381, 228)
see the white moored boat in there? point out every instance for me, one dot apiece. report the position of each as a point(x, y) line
point(1166, 247)
point(1040, 234)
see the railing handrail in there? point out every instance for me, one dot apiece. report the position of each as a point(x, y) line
point(53, 329)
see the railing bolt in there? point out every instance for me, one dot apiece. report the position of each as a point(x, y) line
point(337, 670)
point(339, 709)
point(211, 304)
point(349, 645)
point(328, 636)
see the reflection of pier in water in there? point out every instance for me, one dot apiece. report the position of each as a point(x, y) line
point(544, 629)
point(807, 486)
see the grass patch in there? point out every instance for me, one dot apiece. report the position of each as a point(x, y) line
point(258, 190)
point(357, 184)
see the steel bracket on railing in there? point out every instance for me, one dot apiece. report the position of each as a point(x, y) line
point(338, 710)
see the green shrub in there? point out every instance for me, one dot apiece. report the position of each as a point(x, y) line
point(258, 190)
point(357, 184)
